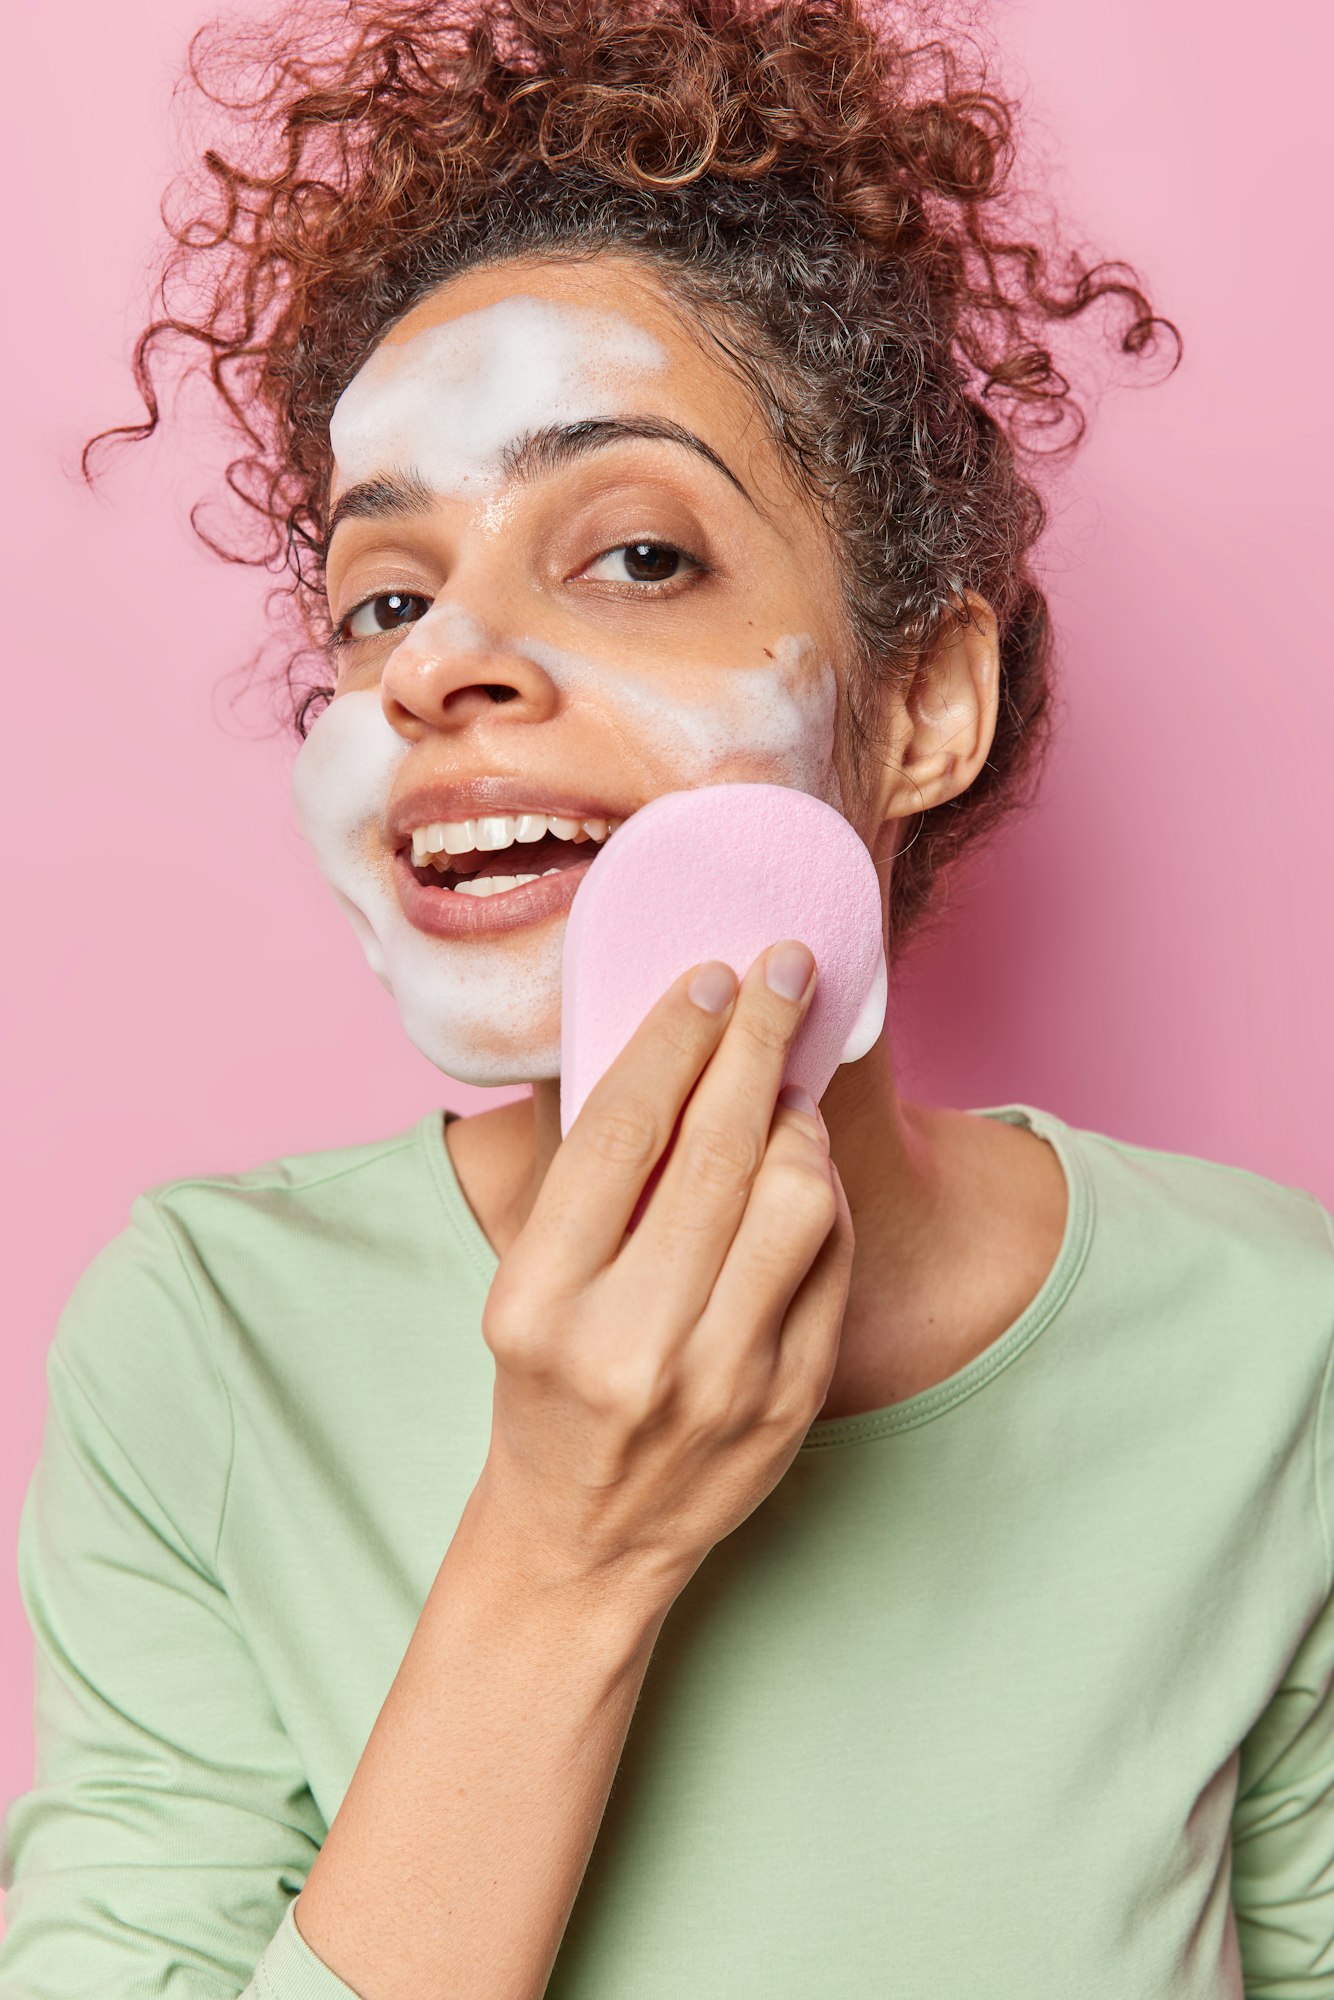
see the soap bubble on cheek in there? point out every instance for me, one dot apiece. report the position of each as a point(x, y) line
point(485, 1013)
point(366, 937)
point(805, 694)
point(709, 717)
point(489, 1013)
point(341, 781)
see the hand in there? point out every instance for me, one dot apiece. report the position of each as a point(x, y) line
point(652, 1388)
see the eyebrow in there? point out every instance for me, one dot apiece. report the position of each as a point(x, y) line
point(402, 495)
point(396, 495)
point(559, 444)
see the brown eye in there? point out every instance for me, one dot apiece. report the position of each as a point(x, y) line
point(641, 562)
point(650, 562)
point(385, 613)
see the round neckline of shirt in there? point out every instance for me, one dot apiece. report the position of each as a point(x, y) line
point(472, 1238)
point(1036, 1317)
point(928, 1404)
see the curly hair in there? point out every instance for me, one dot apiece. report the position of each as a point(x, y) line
point(825, 185)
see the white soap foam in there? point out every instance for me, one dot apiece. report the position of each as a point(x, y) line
point(777, 721)
point(445, 403)
point(487, 1011)
point(484, 1011)
point(448, 400)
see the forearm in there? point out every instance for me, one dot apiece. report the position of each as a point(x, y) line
point(456, 1856)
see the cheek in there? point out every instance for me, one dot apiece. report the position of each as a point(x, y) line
point(701, 723)
point(482, 1015)
point(776, 723)
point(343, 775)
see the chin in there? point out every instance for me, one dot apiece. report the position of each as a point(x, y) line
point(486, 1068)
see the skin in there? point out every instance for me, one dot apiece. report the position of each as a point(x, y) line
point(958, 1219)
point(444, 409)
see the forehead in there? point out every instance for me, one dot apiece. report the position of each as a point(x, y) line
point(511, 348)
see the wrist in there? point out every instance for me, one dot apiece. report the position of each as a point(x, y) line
point(614, 1609)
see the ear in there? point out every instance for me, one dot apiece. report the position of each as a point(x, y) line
point(941, 729)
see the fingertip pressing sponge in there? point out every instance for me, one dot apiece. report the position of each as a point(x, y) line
point(722, 871)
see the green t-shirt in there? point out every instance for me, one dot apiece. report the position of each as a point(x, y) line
point(1020, 1689)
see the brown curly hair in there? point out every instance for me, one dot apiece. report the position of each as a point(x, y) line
point(826, 184)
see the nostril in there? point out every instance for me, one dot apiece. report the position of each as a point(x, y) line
point(501, 693)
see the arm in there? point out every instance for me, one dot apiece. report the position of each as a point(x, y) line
point(453, 1864)
point(1283, 1818)
point(1283, 1832)
point(169, 1824)
point(651, 1388)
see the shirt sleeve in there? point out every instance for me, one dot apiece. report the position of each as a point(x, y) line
point(1283, 1833)
point(1283, 1820)
point(169, 1827)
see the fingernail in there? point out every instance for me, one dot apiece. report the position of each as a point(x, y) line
point(797, 1099)
point(789, 969)
point(712, 986)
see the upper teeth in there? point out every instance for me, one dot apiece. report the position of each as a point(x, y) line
point(468, 836)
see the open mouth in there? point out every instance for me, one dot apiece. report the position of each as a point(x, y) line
point(491, 874)
point(496, 872)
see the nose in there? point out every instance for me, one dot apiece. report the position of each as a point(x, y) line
point(448, 670)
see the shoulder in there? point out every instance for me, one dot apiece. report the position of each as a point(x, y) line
point(144, 1334)
point(313, 1191)
point(1203, 1324)
point(1218, 1264)
point(1267, 1230)
point(1157, 1197)
point(302, 1220)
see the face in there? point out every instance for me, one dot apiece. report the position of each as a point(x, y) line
point(569, 571)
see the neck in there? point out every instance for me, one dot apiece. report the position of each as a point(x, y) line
point(888, 1159)
point(957, 1221)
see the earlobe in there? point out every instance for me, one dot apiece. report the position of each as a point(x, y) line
point(949, 717)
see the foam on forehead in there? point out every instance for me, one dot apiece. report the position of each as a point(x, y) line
point(447, 401)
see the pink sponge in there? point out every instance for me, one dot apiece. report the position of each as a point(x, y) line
point(722, 871)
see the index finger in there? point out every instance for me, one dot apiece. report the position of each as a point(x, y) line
point(623, 1128)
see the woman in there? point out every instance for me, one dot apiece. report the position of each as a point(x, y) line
point(900, 1564)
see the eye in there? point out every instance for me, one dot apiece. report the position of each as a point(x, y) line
point(641, 562)
point(388, 612)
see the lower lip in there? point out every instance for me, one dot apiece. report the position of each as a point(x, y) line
point(446, 913)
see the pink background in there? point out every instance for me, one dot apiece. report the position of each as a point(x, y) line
point(1149, 954)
